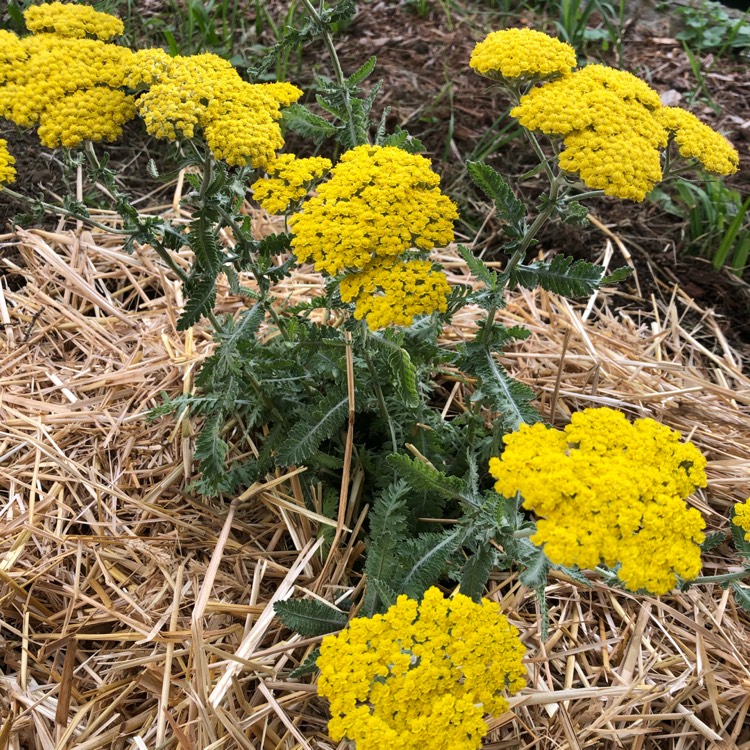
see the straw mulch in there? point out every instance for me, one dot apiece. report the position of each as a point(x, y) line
point(135, 614)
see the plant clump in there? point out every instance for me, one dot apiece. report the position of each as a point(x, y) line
point(422, 675)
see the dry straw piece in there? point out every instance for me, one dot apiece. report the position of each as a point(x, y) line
point(134, 614)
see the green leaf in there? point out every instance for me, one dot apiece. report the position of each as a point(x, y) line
point(425, 559)
point(499, 191)
point(511, 398)
point(401, 139)
point(560, 275)
point(362, 72)
point(478, 267)
point(476, 572)
point(307, 434)
point(203, 241)
point(310, 617)
point(308, 666)
point(201, 298)
point(425, 478)
point(741, 595)
point(541, 597)
point(404, 376)
point(302, 121)
point(535, 574)
point(575, 214)
point(618, 275)
point(713, 540)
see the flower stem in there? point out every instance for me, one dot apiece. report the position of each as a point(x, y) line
point(337, 69)
point(722, 578)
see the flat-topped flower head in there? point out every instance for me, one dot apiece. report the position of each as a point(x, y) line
point(68, 86)
point(389, 291)
point(379, 201)
point(421, 676)
point(607, 490)
point(696, 140)
point(522, 53)
point(288, 181)
point(7, 170)
point(72, 21)
point(239, 120)
point(606, 118)
point(742, 517)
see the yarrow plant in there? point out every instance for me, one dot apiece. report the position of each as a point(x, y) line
point(421, 675)
point(355, 382)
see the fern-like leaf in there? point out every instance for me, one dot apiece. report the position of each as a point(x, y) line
point(308, 666)
point(560, 275)
point(476, 572)
point(424, 478)
point(307, 435)
point(425, 559)
point(478, 267)
point(302, 121)
point(741, 595)
point(310, 617)
point(500, 193)
point(201, 298)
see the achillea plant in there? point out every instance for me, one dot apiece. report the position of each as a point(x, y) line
point(421, 675)
point(742, 518)
point(609, 491)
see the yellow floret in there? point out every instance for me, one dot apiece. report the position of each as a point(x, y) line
point(422, 675)
point(609, 491)
point(606, 117)
point(697, 140)
point(391, 292)
point(239, 120)
point(380, 201)
point(742, 517)
point(72, 21)
point(516, 53)
point(288, 181)
point(96, 114)
point(7, 170)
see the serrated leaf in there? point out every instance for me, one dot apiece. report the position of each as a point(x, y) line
point(404, 377)
point(302, 121)
point(362, 72)
point(741, 595)
point(476, 572)
point(560, 275)
point(500, 193)
point(310, 617)
point(425, 478)
point(511, 398)
point(478, 267)
point(541, 597)
point(424, 561)
point(308, 666)
point(618, 275)
point(575, 214)
point(201, 293)
point(535, 574)
point(307, 434)
point(203, 241)
point(712, 541)
point(401, 139)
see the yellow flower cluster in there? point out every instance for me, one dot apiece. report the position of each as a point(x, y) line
point(7, 170)
point(607, 490)
point(73, 21)
point(519, 53)
point(239, 120)
point(76, 88)
point(742, 517)
point(697, 141)
point(421, 676)
point(379, 203)
point(389, 291)
point(288, 181)
point(68, 86)
point(613, 125)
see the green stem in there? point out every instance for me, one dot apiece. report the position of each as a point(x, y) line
point(49, 208)
point(379, 391)
point(723, 578)
point(337, 69)
point(523, 533)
